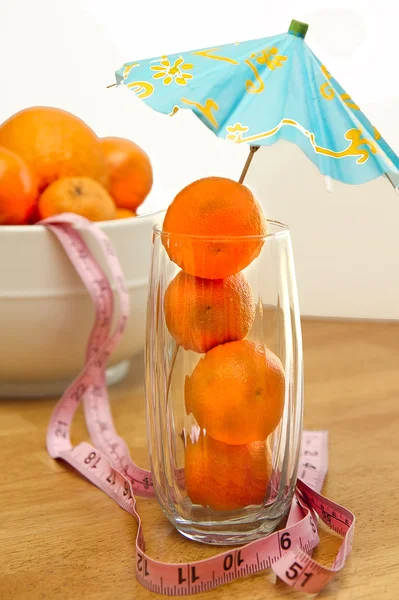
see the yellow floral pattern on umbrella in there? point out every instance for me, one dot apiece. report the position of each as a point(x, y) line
point(269, 57)
point(328, 92)
point(176, 72)
point(128, 67)
point(142, 89)
point(376, 133)
point(359, 145)
point(210, 53)
point(205, 109)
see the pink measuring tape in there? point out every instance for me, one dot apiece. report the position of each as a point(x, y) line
point(108, 465)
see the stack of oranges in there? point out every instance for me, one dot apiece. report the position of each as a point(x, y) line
point(52, 162)
point(213, 229)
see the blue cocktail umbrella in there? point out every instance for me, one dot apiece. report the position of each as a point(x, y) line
point(261, 91)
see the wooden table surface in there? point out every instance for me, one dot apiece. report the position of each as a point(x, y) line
point(61, 538)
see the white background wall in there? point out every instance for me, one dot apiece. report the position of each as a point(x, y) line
point(64, 52)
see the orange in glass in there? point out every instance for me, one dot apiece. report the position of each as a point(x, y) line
point(202, 222)
point(227, 477)
point(202, 313)
point(236, 392)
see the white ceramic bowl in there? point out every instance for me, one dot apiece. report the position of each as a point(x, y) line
point(46, 313)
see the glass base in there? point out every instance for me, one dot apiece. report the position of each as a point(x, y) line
point(41, 389)
point(233, 534)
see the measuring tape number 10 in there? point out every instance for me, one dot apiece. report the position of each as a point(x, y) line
point(107, 462)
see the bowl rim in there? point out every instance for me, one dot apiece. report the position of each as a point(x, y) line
point(106, 225)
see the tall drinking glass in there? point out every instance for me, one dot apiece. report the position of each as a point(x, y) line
point(224, 384)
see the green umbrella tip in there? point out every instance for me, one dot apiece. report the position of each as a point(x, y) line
point(298, 28)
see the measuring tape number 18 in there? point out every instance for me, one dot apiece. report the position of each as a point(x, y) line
point(107, 462)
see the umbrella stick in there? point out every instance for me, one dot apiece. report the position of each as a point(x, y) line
point(110, 86)
point(252, 150)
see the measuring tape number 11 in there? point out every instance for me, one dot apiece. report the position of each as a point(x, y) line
point(107, 462)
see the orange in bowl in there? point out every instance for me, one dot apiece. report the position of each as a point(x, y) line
point(124, 213)
point(18, 189)
point(202, 222)
point(80, 195)
point(227, 477)
point(202, 313)
point(54, 143)
point(236, 392)
point(130, 172)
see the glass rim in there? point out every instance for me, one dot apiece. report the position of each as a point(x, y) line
point(283, 231)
